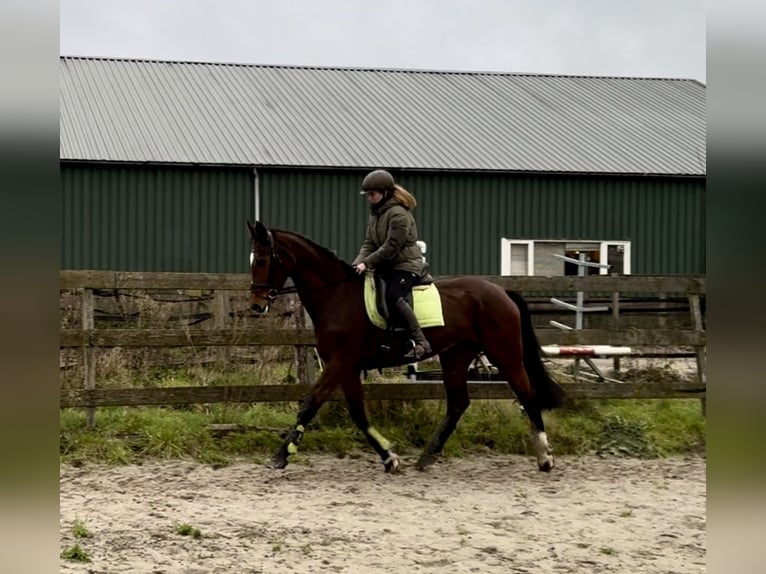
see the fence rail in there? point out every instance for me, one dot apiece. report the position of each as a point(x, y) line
point(88, 338)
point(246, 338)
point(685, 284)
point(430, 390)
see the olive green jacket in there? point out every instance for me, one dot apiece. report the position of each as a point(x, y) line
point(390, 241)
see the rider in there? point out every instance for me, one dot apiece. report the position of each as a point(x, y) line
point(390, 248)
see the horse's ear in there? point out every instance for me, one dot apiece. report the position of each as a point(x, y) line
point(258, 231)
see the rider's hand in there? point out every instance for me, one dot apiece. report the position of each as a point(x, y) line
point(360, 268)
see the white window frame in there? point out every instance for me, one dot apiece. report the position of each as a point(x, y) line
point(505, 253)
point(625, 256)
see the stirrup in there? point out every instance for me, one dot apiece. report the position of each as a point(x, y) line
point(410, 353)
point(413, 352)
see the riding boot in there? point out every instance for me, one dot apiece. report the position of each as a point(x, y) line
point(422, 346)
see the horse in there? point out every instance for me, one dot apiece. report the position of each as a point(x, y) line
point(479, 316)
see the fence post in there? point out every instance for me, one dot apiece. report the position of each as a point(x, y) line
point(616, 325)
point(88, 352)
point(694, 306)
point(305, 370)
point(220, 308)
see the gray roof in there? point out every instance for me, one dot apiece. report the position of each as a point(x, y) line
point(207, 113)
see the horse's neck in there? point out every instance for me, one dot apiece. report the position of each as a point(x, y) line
point(315, 271)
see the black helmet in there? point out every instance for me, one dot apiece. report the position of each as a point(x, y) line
point(379, 180)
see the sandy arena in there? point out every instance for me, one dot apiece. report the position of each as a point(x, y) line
point(323, 514)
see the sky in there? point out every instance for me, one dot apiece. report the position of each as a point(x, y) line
point(650, 38)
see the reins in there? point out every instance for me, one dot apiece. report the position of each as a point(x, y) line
point(275, 292)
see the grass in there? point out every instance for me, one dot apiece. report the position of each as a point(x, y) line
point(75, 553)
point(80, 530)
point(634, 428)
point(187, 530)
point(127, 435)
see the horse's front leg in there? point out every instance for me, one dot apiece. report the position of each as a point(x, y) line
point(320, 392)
point(352, 389)
point(455, 364)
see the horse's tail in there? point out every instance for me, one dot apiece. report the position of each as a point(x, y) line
point(549, 393)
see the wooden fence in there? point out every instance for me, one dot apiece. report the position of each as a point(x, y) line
point(87, 338)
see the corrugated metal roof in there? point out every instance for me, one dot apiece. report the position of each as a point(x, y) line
point(208, 113)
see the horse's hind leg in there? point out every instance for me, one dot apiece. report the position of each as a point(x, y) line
point(320, 392)
point(539, 437)
point(352, 389)
point(455, 363)
point(509, 362)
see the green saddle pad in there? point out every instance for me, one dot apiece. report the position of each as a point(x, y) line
point(426, 303)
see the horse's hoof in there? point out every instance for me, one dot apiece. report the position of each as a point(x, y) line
point(392, 464)
point(425, 461)
point(278, 463)
point(546, 465)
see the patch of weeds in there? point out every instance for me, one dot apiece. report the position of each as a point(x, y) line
point(626, 514)
point(187, 530)
point(625, 438)
point(652, 374)
point(75, 553)
point(80, 530)
point(608, 551)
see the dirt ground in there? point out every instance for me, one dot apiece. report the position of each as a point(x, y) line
point(324, 514)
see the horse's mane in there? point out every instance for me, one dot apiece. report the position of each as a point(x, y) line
point(323, 251)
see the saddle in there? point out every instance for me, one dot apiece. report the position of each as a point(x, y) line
point(424, 300)
point(380, 293)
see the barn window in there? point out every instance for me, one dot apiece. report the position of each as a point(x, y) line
point(550, 257)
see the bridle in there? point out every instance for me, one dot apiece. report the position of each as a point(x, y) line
point(273, 292)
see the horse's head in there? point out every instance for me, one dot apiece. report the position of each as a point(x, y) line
point(267, 274)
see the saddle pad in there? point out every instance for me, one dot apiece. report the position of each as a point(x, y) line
point(426, 302)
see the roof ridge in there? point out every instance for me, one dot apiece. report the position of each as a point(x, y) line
point(383, 70)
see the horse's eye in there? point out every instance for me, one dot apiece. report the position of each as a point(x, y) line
point(261, 262)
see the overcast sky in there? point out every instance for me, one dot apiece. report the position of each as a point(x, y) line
point(646, 38)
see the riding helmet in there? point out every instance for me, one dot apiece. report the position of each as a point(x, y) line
point(379, 180)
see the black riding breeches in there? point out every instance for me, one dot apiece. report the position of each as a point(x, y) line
point(398, 284)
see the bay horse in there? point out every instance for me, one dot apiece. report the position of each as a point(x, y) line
point(479, 316)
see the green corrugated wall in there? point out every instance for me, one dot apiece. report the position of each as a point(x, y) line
point(462, 217)
point(155, 219)
point(192, 219)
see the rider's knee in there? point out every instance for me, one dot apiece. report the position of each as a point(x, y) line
point(401, 301)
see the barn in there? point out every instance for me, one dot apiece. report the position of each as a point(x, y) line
point(163, 161)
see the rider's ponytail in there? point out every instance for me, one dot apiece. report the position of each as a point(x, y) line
point(404, 197)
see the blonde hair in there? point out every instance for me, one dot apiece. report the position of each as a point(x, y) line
point(404, 197)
